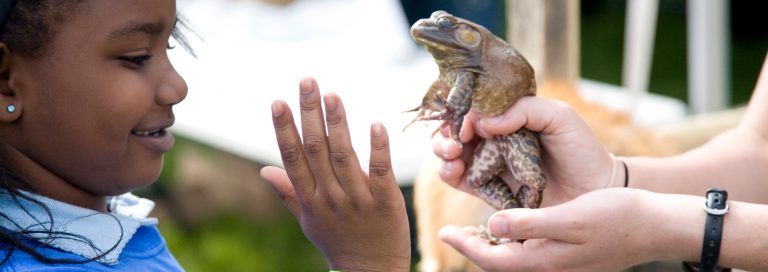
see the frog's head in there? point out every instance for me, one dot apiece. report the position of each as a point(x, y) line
point(450, 38)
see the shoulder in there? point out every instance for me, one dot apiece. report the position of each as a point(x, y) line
point(146, 251)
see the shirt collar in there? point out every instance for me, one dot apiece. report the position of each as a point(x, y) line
point(101, 232)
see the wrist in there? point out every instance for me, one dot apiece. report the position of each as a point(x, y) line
point(619, 174)
point(679, 220)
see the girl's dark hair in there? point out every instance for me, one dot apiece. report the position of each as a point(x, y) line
point(28, 29)
point(30, 26)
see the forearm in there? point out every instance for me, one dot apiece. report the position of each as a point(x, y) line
point(736, 161)
point(745, 231)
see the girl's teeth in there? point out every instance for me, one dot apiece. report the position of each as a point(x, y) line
point(147, 133)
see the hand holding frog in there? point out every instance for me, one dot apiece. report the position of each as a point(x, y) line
point(357, 220)
point(573, 159)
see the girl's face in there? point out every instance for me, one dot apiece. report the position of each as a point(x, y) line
point(94, 112)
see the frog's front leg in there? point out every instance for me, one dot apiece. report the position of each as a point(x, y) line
point(457, 105)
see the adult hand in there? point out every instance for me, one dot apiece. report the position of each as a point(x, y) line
point(574, 161)
point(603, 230)
point(357, 220)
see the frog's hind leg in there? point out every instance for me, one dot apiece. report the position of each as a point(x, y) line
point(524, 162)
point(483, 176)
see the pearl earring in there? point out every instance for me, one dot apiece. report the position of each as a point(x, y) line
point(10, 108)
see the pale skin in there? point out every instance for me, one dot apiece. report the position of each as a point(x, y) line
point(356, 219)
point(587, 226)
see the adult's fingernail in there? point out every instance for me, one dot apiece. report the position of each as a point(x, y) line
point(444, 148)
point(447, 167)
point(499, 225)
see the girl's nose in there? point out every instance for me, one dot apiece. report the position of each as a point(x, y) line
point(173, 89)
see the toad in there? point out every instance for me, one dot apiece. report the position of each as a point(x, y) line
point(479, 71)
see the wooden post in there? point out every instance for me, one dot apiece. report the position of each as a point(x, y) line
point(547, 34)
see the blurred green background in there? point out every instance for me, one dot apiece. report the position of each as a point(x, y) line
point(217, 215)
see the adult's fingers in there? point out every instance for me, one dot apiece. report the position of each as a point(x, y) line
point(278, 178)
point(445, 148)
point(478, 250)
point(291, 151)
point(552, 223)
point(535, 113)
point(382, 180)
point(313, 135)
point(342, 156)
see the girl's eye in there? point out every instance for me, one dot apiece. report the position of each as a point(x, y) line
point(138, 61)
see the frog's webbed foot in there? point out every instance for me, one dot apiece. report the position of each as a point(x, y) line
point(452, 119)
point(422, 112)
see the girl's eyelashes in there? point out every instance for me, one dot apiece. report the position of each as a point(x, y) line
point(136, 61)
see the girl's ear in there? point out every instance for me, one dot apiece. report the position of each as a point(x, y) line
point(10, 107)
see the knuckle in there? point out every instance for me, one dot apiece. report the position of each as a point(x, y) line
point(561, 107)
point(341, 159)
point(379, 169)
point(290, 153)
point(333, 119)
point(523, 224)
point(281, 123)
point(314, 146)
point(379, 146)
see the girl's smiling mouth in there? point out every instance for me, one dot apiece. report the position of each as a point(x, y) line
point(153, 133)
point(157, 140)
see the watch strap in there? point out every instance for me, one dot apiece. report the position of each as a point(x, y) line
point(716, 208)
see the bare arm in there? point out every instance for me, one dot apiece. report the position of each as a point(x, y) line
point(628, 227)
point(736, 160)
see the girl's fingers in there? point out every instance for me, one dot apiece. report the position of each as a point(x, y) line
point(278, 178)
point(382, 180)
point(313, 134)
point(291, 151)
point(342, 156)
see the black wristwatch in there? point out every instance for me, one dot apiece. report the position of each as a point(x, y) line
point(716, 207)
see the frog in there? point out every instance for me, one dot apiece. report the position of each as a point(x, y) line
point(481, 72)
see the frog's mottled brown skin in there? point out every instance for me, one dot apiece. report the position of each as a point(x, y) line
point(482, 72)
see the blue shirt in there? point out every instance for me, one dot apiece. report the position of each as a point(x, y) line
point(131, 239)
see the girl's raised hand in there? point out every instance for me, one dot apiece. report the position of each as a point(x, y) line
point(357, 220)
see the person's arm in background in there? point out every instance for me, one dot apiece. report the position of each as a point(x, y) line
point(736, 159)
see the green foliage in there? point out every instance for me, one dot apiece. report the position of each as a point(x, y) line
point(233, 243)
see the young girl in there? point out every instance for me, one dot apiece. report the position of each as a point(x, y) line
point(86, 97)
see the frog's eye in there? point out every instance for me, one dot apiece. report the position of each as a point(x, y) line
point(444, 23)
point(468, 37)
